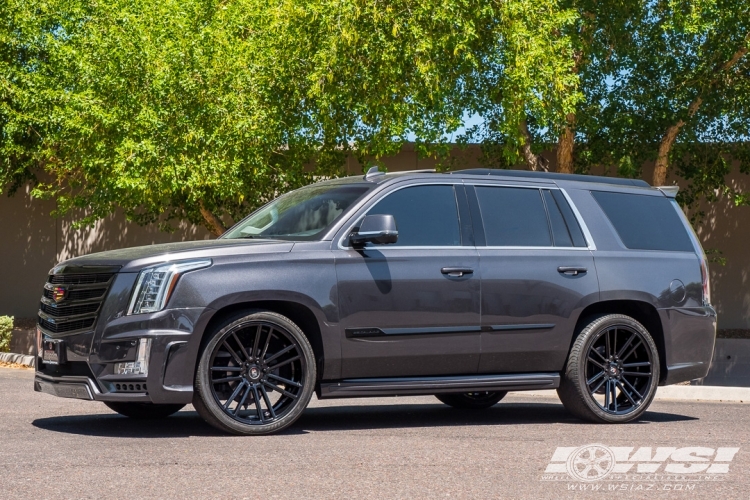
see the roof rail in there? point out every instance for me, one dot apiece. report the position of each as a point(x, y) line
point(554, 175)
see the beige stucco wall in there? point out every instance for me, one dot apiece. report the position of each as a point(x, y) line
point(31, 242)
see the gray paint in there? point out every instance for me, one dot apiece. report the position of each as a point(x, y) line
point(515, 314)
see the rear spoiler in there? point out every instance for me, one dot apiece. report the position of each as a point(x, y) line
point(669, 191)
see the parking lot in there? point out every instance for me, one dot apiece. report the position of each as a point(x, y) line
point(380, 448)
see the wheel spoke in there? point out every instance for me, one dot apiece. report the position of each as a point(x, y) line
point(226, 368)
point(268, 401)
point(265, 347)
point(633, 389)
point(242, 347)
point(627, 394)
point(257, 404)
point(591, 360)
point(255, 342)
point(606, 397)
point(285, 362)
point(279, 389)
point(286, 381)
point(593, 391)
point(607, 349)
point(280, 353)
point(231, 351)
point(594, 378)
point(242, 402)
point(598, 354)
point(233, 396)
point(625, 346)
point(225, 379)
point(635, 365)
point(637, 374)
point(614, 394)
point(630, 353)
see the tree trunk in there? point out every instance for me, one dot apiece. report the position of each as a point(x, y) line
point(533, 161)
point(211, 221)
point(665, 146)
point(565, 146)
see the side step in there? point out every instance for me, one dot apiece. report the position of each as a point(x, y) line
point(422, 386)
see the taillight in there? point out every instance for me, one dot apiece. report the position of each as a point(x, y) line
point(704, 280)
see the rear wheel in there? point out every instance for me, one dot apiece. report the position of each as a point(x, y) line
point(612, 371)
point(255, 376)
point(472, 400)
point(143, 410)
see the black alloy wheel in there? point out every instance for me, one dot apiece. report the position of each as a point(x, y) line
point(255, 376)
point(612, 371)
point(472, 400)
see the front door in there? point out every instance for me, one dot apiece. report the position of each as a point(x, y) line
point(537, 275)
point(412, 308)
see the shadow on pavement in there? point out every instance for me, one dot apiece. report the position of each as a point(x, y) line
point(337, 418)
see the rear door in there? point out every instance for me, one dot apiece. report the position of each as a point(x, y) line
point(412, 308)
point(537, 275)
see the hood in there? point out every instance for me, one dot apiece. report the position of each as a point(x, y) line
point(134, 258)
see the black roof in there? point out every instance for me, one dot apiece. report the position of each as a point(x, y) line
point(554, 176)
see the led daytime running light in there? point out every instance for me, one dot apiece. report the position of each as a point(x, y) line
point(156, 284)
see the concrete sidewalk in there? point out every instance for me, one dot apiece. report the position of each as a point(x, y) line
point(682, 393)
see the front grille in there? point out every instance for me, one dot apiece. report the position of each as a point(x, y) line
point(68, 326)
point(57, 311)
point(79, 279)
point(71, 302)
point(79, 294)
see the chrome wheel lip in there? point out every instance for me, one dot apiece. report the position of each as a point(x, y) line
point(257, 375)
point(621, 379)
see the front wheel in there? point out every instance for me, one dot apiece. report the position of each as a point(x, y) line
point(472, 400)
point(612, 371)
point(143, 410)
point(255, 376)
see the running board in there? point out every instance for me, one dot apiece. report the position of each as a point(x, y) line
point(422, 386)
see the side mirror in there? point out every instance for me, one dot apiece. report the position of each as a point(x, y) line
point(378, 229)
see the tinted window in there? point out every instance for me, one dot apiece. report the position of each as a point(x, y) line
point(425, 215)
point(570, 220)
point(513, 217)
point(645, 222)
point(560, 232)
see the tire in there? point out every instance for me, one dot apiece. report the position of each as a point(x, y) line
point(472, 400)
point(610, 378)
point(143, 410)
point(255, 376)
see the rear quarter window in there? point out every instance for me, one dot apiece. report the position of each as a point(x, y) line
point(645, 222)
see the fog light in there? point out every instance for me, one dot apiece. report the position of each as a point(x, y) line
point(140, 365)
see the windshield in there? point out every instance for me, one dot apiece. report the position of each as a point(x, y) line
point(299, 215)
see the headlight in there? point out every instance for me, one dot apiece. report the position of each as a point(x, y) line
point(156, 284)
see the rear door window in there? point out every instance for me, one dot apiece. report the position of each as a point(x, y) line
point(513, 217)
point(425, 215)
point(645, 222)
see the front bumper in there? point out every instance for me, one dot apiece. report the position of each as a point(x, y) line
point(89, 372)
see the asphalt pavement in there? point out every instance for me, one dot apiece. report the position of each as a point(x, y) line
point(524, 447)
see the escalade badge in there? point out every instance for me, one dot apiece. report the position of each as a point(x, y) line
point(58, 294)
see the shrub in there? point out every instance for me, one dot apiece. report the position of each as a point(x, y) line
point(6, 329)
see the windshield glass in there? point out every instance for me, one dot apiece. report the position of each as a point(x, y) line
point(299, 215)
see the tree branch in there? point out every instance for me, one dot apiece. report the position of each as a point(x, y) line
point(533, 161)
point(665, 146)
point(211, 221)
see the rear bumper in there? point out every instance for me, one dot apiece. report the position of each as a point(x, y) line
point(689, 337)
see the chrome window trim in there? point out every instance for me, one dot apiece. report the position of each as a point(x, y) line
point(584, 228)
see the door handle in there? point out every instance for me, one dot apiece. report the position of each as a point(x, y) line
point(571, 271)
point(456, 272)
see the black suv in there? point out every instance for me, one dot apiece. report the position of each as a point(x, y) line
point(463, 285)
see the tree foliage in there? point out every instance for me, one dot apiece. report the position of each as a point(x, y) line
point(205, 109)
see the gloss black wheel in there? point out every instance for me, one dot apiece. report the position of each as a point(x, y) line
point(143, 410)
point(472, 400)
point(612, 371)
point(255, 376)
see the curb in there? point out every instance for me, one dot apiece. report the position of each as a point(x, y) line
point(681, 393)
point(20, 359)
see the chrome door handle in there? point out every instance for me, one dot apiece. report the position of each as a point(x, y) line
point(571, 271)
point(456, 272)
